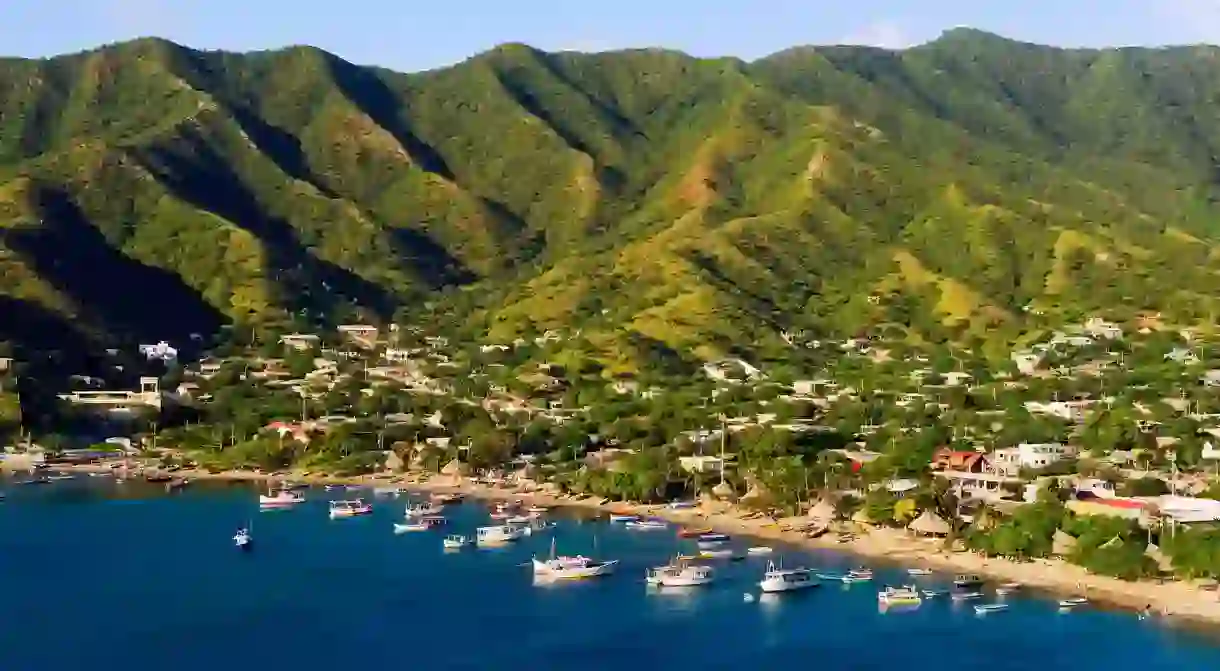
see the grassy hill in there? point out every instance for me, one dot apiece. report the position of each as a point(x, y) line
point(970, 187)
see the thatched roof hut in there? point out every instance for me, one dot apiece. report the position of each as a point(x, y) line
point(1062, 544)
point(822, 510)
point(931, 524)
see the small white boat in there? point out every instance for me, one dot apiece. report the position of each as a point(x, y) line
point(623, 517)
point(349, 508)
point(456, 542)
point(537, 510)
point(281, 499)
point(967, 580)
point(933, 593)
point(400, 528)
point(680, 573)
point(966, 596)
point(778, 579)
point(713, 538)
point(984, 608)
point(388, 491)
point(919, 571)
point(1073, 602)
point(571, 568)
point(645, 525)
point(518, 519)
point(242, 539)
point(720, 553)
point(1007, 588)
point(860, 574)
point(900, 596)
point(760, 550)
point(423, 509)
point(499, 534)
point(834, 577)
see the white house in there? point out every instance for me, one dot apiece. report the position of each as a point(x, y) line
point(1182, 356)
point(1010, 460)
point(300, 341)
point(1026, 362)
point(1100, 328)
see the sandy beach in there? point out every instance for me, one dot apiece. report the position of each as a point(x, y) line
point(1174, 599)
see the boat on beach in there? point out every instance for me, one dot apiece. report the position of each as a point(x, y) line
point(570, 568)
point(623, 517)
point(779, 579)
point(349, 508)
point(687, 532)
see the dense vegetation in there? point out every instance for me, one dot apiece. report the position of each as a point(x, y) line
point(672, 208)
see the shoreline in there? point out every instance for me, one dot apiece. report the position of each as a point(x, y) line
point(1173, 601)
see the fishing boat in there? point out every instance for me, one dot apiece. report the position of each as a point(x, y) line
point(984, 608)
point(349, 508)
point(1007, 588)
point(900, 596)
point(571, 568)
point(456, 542)
point(422, 509)
point(623, 517)
point(680, 573)
point(858, 575)
point(498, 534)
point(402, 528)
point(693, 533)
point(916, 572)
point(966, 580)
point(285, 498)
point(778, 579)
point(966, 596)
point(645, 525)
point(760, 550)
point(242, 540)
point(1073, 602)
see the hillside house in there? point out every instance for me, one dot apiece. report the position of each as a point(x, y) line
point(961, 460)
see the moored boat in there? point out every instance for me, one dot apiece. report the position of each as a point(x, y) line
point(242, 540)
point(900, 596)
point(967, 580)
point(423, 509)
point(646, 525)
point(680, 573)
point(966, 596)
point(1073, 602)
point(402, 528)
point(282, 499)
point(778, 579)
point(760, 550)
point(623, 517)
point(497, 534)
point(1007, 588)
point(349, 508)
point(693, 533)
point(984, 608)
point(571, 568)
point(858, 575)
point(919, 571)
point(456, 542)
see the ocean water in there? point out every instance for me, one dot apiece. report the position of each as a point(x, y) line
point(96, 575)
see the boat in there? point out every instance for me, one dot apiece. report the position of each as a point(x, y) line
point(919, 571)
point(984, 608)
point(60, 478)
point(1073, 602)
point(518, 519)
point(713, 538)
point(431, 521)
point(858, 575)
point(571, 568)
point(456, 542)
point(445, 499)
point(422, 509)
point(966, 596)
point(281, 499)
point(401, 528)
point(933, 593)
point(498, 533)
point(693, 533)
point(647, 524)
point(778, 579)
point(1007, 588)
point(833, 577)
point(537, 510)
point(388, 491)
point(965, 580)
point(900, 596)
point(349, 508)
point(680, 573)
point(623, 517)
point(760, 550)
point(720, 553)
point(242, 540)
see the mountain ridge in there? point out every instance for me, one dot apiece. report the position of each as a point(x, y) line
point(973, 187)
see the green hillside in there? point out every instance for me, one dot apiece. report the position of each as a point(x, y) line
point(970, 187)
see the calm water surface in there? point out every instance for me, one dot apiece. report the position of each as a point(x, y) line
point(105, 576)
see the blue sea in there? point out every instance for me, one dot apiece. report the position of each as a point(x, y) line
point(99, 575)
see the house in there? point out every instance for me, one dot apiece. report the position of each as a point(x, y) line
point(1182, 355)
point(394, 355)
point(1211, 378)
point(300, 341)
point(1010, 460)
point(364, 335)
point(6, 364)
point(298, 431)
point(700, 464)
point(960, 460)
point(954, 379)
point(1100, 328)
point(1026, 362)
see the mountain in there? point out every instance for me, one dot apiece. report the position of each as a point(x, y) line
point(669, 207)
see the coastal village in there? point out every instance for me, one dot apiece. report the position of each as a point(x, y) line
point(1093, 447)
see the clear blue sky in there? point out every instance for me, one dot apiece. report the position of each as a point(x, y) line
point(421, 34)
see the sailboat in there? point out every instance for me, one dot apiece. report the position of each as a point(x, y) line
point(571, 568)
